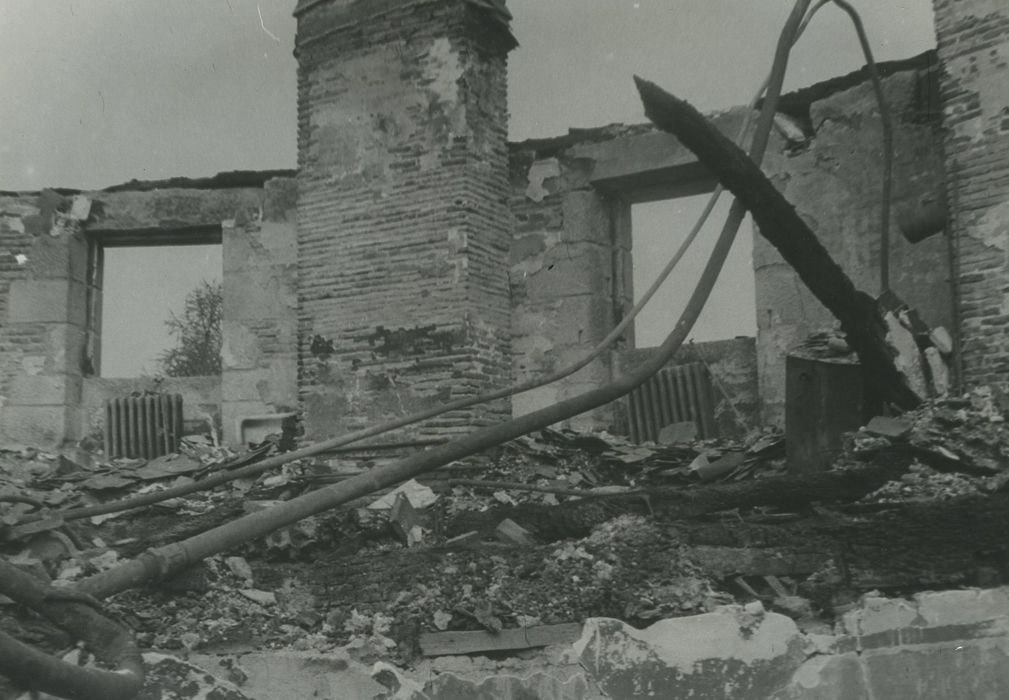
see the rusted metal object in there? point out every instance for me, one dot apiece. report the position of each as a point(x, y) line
point(674, 395)
point(143, 426)
point(823, 400)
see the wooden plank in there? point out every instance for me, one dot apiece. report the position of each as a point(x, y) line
point(447, 643)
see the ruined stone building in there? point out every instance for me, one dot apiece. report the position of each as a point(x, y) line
point(417, 257)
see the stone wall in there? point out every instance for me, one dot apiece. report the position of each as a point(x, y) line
point(973, 40)
point(563, 277)
point(51, 297)
point(572, 252)
point(259, 360)
point(43, 271)
point(402, 226)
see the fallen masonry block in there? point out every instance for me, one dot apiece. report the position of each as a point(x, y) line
point(684, 431)
point(699, 462)
point(939, 370)
point(942, 340)
point(727, 463)
point(405, 521)
point(447, 643)
point(911, 320)
point(510, 532)
point(907, 356)
point(884, 426)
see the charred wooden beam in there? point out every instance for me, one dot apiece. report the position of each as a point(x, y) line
point(781, 225)
point(790, 493)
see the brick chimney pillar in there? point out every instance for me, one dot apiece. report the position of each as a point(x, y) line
point(403, 229)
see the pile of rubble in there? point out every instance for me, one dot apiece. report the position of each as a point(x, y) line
point(533, 535)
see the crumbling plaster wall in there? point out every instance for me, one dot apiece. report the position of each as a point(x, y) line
point(50, 299)
point(563, 277)
point(402, 225)
point(973, 37)
point(259, 356)
point(572, 255)
point(835, 185)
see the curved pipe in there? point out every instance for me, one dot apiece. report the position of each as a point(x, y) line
point(30, 668)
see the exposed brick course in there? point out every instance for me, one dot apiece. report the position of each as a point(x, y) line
point(402, 226)
point(973, 40)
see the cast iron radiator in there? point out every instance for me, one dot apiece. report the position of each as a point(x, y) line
point(672, 395)
point(143, 426)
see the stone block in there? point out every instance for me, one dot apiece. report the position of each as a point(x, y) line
point(66, 342)
point(827, 677)
point(510, 532)
point(43, 389)
point(292, 674)
point(587, 218)
point(729, 653)
point(173, 208)
point(258, 293)
point(877, 615)
point(65, 257)
point(581, 320)
point(39, 301)
point(570, 270)
point(966, 607)
point(963, 669)
point(38, 426)
point(889, 427)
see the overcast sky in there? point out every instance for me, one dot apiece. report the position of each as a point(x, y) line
point(97, 92)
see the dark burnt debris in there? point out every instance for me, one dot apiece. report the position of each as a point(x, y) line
point(543, 531)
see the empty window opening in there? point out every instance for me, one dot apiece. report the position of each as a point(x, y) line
point(657, 229)
point(143, 289)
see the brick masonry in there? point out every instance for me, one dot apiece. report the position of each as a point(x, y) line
point(973, 40)
point(402, 227)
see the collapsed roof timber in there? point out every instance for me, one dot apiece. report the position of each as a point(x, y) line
point(490, 264)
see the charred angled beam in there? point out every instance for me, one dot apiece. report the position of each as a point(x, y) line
point(781, 225)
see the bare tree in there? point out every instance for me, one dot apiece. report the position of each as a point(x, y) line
point(197, 351)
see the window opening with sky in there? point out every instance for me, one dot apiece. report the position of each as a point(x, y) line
point(657, 229)
point(142, 287)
